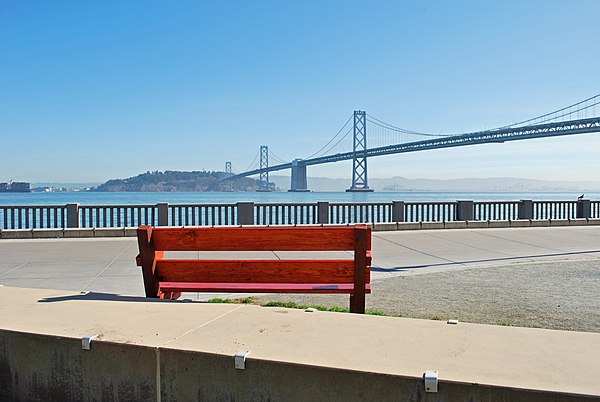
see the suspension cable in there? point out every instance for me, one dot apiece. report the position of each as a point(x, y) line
point(275, 157)
point(556, 111)
point(340, 140)
point(331, 140)
point(253, 161)
point(549, 117)
point(388, 126)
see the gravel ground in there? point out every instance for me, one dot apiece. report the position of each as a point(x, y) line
point(551, 294)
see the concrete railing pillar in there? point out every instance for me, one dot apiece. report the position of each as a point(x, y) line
point(584, 209)
point(245, 213)
point(72, 215)
point(323, 212)
point(464, 210)
point(397, 211)
point(163, 214)
point(525, 209)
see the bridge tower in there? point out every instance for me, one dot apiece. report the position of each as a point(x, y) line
point(263, 181)
point(228, 173)
point(298, 176)
point(359, 149)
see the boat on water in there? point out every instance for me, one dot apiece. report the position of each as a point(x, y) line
point(15, 187)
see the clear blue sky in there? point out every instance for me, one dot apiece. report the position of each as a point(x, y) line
point(93, 90)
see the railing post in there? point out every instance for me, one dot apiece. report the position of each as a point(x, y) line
point(584, 209)
point(72, 215)
point(526, 209)
point(397, 211)
point(245, 213)
point(163, 214)
point(464, 210)
point(323, 212)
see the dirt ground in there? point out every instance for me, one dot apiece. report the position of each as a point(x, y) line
point(561, 295)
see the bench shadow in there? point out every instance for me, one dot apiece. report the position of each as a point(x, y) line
point(96, 296)
point(465, 262)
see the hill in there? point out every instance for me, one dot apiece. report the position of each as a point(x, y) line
point(174, 181)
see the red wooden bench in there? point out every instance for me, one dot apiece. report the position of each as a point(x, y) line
point(167, 278)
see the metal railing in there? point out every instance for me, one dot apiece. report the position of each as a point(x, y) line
point(554, 209)
point(285, 214)
point(202, 214)
point(429, 211)
point(33, 217)
point(249, 213)
point(111, 216)
point(496, 210)
point(345, 212)
point(595, 209)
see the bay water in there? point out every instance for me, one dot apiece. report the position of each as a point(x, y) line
point(137, 198)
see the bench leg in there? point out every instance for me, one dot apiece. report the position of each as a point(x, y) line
point(170, 295)
point(357, 303)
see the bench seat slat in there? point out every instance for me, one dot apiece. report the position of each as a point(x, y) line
point(261, 271)
point(254, 239)
point(260, 287)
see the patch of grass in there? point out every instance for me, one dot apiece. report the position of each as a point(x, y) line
point(246, 300)
point(505, 324)
point(373, 312)
point(435, 318)
point(283, 304)
point(250, 300)
point(304, 306)
point(334, 309)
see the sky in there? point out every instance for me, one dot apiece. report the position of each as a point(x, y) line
point(95, 90)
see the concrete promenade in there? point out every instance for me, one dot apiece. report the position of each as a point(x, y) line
point(108, 264)
point(161, 350)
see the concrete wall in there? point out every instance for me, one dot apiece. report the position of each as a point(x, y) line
point(484, 224)
point(36, 367)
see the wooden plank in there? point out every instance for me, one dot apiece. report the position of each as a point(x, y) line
point(260, 271)
point(319, 238)
point(259, 287)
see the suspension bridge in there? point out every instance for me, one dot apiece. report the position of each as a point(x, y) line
point(350, 142)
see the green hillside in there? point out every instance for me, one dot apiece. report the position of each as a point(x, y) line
point(174, 181)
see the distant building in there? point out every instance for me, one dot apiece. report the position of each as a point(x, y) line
point(15, 187)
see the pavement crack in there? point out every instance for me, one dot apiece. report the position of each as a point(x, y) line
point(14, 269)
point(520, 242)
point(201, 325)
point(466, 244)
point(28, 262)
point(418, 251)
point(106, 267)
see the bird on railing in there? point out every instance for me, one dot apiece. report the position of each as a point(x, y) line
point(580, 197)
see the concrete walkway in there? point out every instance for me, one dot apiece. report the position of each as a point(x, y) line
point(295, 355)
point(184, 350)
point(108, 264)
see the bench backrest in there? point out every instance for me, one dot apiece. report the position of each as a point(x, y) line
point(354, 269)
point(292, 238)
